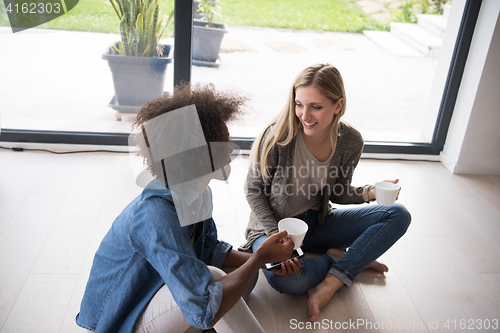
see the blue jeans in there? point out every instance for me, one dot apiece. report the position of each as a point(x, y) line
point(368, 232)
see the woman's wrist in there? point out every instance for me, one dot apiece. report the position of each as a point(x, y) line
point(366, 193)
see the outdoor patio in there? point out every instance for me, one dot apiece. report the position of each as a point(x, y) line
point(56, 80)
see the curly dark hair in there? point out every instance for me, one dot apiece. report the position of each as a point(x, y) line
point(214, 109)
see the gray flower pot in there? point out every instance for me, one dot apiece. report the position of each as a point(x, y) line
point(207, 41)
point(137, 80)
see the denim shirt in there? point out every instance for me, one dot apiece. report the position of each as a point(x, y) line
point(145, 248)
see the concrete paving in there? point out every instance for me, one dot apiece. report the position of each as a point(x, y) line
point(385, 92)
point(57, 79)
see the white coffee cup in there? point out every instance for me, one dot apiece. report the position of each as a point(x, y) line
point(296, 229)
point(386, 193)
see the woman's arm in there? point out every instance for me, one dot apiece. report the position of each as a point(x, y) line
point(235, 283)
point(235, 259)
point(257, 194)
point(353, 147)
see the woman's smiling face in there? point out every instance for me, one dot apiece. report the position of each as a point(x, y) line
point(315, 111)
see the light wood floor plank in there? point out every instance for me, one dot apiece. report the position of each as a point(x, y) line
point(473, 295)
point(67, 243)
point(493, 280)
point(428, 292)
point(280, 313)
point(17, 179)
point(348, 311)
point(57, 176)
point(415, 183)
point(496, 179)
point(6, 157)
point(259, 305)
point(20, 244)
point(389, 301)
point(41, 304)
point(487, 187)
point(449, 183)
point(482, 215)
point(371, 171)
point(436, 213)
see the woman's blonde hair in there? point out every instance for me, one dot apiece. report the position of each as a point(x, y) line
point(324, 77)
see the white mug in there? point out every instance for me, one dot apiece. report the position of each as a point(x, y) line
point(296, 229)
point(386, 193)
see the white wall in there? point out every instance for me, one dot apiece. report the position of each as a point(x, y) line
point(473, 142)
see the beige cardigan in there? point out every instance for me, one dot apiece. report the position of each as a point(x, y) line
point(267, 200)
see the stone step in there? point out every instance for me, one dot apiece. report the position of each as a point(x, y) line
point(418, 37)
point(393, 44)
point(434, 23)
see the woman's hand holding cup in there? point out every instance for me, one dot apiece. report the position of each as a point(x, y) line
point(276, 248)
point(386, 192)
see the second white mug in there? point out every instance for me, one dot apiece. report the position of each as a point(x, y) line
point(296, 229)
point(386, 193)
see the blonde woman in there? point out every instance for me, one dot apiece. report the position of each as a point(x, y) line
point(301, 163)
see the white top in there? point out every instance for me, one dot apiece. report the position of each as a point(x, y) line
point(308, 178)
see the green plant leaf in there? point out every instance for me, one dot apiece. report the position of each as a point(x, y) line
point(133, 12)
point(151, 19)
point(154, 34)
point(124, 35)
point(133, 34)
point(140, 30)
point(135, 42)
point(141, 25)
point(146, 52)
point(125, 7)
point(115, 48)
point(116, 7)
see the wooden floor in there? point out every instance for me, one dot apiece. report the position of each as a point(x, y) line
point(444, 273)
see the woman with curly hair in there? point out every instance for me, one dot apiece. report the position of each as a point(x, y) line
point(156, 268)
point(301, 163)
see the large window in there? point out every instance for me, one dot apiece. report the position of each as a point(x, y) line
point(56, 88)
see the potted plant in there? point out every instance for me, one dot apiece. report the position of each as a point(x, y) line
point(138, 62)
point(207, 34)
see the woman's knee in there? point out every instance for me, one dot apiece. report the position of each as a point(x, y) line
point(312, 272)
point(289, 284)
point(403, 216)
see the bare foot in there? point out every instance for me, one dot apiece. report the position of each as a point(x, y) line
point(320, 295)
point(377, 266)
